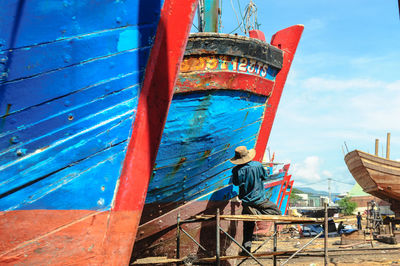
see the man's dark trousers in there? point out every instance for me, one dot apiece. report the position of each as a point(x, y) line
point(266, 207)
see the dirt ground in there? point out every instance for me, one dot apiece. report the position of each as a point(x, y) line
point(346, 256)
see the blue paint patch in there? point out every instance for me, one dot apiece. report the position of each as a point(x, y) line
point(128, 39)
point(68, 98)
point(41, 21)
point(201, 133)
point(52, 56)
point(284, 203)
point(273, 193)
point(44, 88)
point(74, 187)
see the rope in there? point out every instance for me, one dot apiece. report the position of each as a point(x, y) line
point(248, 21)
point(250, 17)
point(237, 17)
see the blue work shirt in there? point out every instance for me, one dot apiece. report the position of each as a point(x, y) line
point(249, 177)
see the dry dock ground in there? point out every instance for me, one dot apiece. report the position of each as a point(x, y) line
point(355, 252)
point(349, 256)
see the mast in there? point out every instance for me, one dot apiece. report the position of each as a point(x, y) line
point(208, 14)
point(388, 146)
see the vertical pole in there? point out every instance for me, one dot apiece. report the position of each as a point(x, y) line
point(391, 226)
point(208, 14)
point(275, 242)
point(217, 253)
point(388, 146)
point(326, 235)
point(376, 146)
point(329, 190)
point(178, 235)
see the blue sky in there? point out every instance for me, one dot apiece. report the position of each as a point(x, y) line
point(344, 84)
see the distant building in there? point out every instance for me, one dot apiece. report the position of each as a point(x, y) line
point(361, 198)
point(303, 202)
point(310, 200)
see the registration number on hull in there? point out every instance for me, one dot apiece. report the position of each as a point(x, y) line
point(229, 63)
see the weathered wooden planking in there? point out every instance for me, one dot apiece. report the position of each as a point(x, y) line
point(62, 82)
point(194, 155)
point(70, 93)
point(193, 160)
point(53, 56)
point(377, 176)
point(51, 192)
point(22, 120)
point(24, 23)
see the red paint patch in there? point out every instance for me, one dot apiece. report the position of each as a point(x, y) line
point(287, 40)
point(39, 237)
point(224, 80)
point(257, 34)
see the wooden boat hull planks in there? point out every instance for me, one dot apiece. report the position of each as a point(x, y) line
point(377, 176)
point(226, 95)
point(77, 83)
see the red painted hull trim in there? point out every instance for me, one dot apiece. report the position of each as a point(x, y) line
point(225, 81)
point(62, 237)
point(287, 40)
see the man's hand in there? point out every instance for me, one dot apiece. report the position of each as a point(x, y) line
point(236, 199)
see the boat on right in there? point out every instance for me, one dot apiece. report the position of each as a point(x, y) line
point(376, 175)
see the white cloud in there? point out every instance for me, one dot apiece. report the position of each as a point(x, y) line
point(327, 173)
point(308, 170)
point(343, 106)
point(394, 86)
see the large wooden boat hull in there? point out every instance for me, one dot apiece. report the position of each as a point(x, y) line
point(81, 100)
point(226, 95)
point(377, 176)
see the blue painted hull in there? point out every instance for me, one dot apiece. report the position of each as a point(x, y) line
point(226, 95)
point(68, 98)
point(215, 108)
point(205, 125)
point(72, 79)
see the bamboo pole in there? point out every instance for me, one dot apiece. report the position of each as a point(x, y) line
point(376, 147)
point(388, 146)
point(217, 254)
point(275, 247)
point(178, 235)
point(326, 234)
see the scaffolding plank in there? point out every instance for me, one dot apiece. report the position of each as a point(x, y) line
point(156, 260)
point(273, 218)
point(306, 252)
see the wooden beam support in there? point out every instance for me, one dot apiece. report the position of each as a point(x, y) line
point(274, 218)
point(388, 146)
